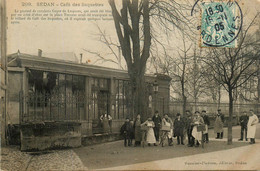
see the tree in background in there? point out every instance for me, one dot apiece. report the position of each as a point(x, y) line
point(232, 67)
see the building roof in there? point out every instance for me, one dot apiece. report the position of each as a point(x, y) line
point(65, 56)
point(62, 65)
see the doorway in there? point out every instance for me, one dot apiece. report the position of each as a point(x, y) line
point(103, 106)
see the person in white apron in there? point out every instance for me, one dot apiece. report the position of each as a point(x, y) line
point(219, 124)
point(251, 126)
point(197, 135)
point(168, 122)
point(150, 137)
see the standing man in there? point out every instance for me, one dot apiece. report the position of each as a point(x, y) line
point(206, 122)
point(185, 119)
point(243, 123)
point(178, 128)
point(157, 124)
point(189, 127)
point(251, 126)
point(219, 124)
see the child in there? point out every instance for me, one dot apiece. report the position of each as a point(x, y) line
point(125, 131)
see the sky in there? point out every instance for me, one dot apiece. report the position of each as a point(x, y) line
point(55, 36)
point(70, 36)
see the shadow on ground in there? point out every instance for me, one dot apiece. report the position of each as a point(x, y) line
point(115, 154)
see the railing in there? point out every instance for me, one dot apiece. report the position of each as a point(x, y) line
point(43, 107)
point(212, 108)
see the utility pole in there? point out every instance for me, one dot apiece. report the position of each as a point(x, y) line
point(4, 73)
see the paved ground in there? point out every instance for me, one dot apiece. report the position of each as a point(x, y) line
point(12, 159)
point(240, 158)
point(114, 156)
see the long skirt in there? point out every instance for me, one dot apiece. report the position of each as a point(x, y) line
point(150, 138)
point(197, 135)
point(251, 131)
point(138, 133)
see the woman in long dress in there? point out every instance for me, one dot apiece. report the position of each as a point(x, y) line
point(138, 131)
point(251, 126)
point(150, 138)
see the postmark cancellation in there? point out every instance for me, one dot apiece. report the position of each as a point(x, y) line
point(221, 23)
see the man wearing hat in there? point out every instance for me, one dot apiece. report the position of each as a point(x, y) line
point(219, 124)
point(157, 124)
point(206, 122)
point(178, 128)
point(243, 119)
point(189, 128)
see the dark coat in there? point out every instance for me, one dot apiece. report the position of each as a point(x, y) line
point(222, 117)
point(243, 120)
point(188, 122)
point(157, 121)
point(206, 119)
point(126, 130)
point(179, 126)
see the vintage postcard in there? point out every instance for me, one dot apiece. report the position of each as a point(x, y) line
point(130, 84)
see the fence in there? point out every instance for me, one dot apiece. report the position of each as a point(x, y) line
point(211, 108)
point(44, 107)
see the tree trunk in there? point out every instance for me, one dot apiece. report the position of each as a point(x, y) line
point(139, 96)
point(184, 99)
point(184, 105)
point(230, 118)
point(219, 95)
point(128, 32)
point(141, 105)
point(258, 86)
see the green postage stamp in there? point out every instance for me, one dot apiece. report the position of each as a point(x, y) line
point(221, 23)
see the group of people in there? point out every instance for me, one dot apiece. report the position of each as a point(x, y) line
point(132, 130)
point(248, 126)
point(194, 126)
point(150, 130)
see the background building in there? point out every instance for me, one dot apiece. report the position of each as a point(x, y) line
point(47, 92)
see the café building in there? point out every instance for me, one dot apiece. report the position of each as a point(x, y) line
point(55, 102)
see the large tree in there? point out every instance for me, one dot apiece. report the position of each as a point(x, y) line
point(134, 31)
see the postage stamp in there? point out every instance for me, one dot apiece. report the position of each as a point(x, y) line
point(221, 23)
